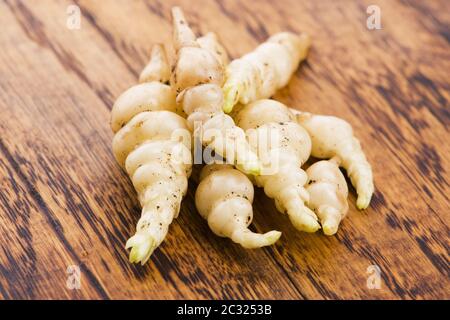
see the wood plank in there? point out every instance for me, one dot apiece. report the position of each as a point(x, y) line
point(320, 279)
point(398, 107)
point(65, 201)
point(68, 166)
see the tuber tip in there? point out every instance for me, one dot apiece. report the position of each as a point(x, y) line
point(251, 240)
point(250, 167)
point(304, 220)
point(330, 227)
point(231, 97)
point(363, 201)
point(142, 246)
point(272, 237)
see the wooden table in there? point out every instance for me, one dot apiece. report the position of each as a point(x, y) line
point(65, 202)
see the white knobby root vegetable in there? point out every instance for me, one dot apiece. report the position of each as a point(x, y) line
point(328, 193)
point(153, 143)
point(333, 137)
point(260, 73)
point(158, 68)
point(282, 156)
point(224, 198)
point(211, 43)
point(197, 77)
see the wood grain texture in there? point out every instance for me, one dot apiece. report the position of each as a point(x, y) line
point(64, 201)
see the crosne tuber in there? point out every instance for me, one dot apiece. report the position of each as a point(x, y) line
point(224, 198)
point(333, 138)
point(197, 77)
point(211, 43)
point(328, 193)
point(158, 68)
point(285, 182)
point(152, 143)
point(260, 73)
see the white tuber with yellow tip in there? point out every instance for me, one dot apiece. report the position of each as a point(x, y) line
point(328, 193)
point(152, 143)
point(224, 198)
point(260, 73)
point(197, 77)
point(287, 149)
point(333, 137)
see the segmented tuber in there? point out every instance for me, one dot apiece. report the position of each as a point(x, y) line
point(333, 138)
point(288, 149)
point(197, 77)
point(260, 73)
point(152, 143)
point(224, 198)
point(328, 193)
point(211, 43)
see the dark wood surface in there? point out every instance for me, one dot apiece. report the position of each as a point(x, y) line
point(64, 200)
